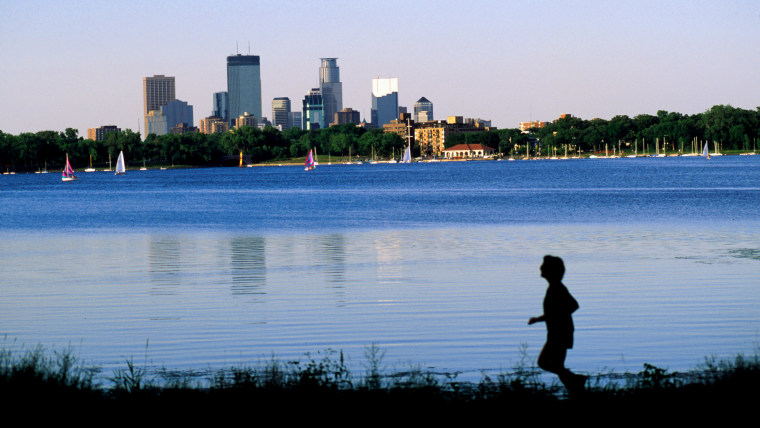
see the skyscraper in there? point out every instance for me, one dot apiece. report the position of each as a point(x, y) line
point(313, 112)
point(331, 87)
point(220, 105)
point(281, 112)
point(158, 91)
point(423, 105)
point(295, 119)
point(243, 86)
point(384, 101)
point(176, 113)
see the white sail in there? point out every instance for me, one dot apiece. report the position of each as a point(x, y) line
point(407, 155)
point(120, 167)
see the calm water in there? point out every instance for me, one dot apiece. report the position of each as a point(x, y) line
point(435, 263)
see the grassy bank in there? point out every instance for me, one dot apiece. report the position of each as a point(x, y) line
point(323, 383)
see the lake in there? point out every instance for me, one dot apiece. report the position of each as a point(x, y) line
point(435, 263)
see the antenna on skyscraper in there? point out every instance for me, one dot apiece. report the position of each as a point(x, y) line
point(237, 49)
point(249, 47)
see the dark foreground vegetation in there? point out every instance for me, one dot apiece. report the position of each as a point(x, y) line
point(323, 387)
point(732, 129)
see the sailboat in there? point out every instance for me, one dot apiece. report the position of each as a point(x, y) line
point(120, 167)
point(407, 155)
point(68, 171)
point(705, 152)
point(309, 164)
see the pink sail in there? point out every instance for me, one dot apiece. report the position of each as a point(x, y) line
point(68, 171)
point(309, 161)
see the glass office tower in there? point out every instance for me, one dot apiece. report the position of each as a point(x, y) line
point(243, 86)
point(313, 112)
point(423, 105)
point(331, 88)
point(220, 106)
point(281, 112)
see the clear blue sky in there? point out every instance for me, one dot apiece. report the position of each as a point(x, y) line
point(80, 64)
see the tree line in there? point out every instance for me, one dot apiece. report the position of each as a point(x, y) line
point(733, 128)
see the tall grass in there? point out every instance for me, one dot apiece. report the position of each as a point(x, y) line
point(323, 379)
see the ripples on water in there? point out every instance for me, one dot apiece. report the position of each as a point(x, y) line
point(437, 264)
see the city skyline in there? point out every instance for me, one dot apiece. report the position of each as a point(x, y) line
point(74, 65)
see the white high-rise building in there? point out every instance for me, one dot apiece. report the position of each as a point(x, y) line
point(384, 101)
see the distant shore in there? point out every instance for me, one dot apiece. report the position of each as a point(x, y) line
point(324, 160)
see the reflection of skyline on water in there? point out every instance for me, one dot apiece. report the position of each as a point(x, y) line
point(388, 247)
point(248, 265)
point(332, 256)
point(164, 265)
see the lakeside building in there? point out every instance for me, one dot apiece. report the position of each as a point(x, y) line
point(246, 119)
point(281, 112)
point(403, 126)
point(158, 91)
point(347, 115)
point(99, 134)
point(177, 112)
point(384, 101)
point(468, 151)
point(330, 87)
point(213, 124)
point(423, 110)
point(243, 86)
point(220, 108)
point(313, 116)
point(431, 135)
point(525, 126)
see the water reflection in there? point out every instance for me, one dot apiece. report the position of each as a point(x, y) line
point(164, 265)
point(332, 256)
point(388, 247)
point(248, 265)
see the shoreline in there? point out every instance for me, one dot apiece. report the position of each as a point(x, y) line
point(299, 162)
point(59, 378)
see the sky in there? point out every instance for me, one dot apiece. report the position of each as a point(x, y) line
point(80, 64)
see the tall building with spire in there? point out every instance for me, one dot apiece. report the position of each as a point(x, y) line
point(158, 91)
point(384, 101)
point(243, 86)
point(330, 87)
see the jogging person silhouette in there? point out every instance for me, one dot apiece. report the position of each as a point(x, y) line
point(559, 306)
